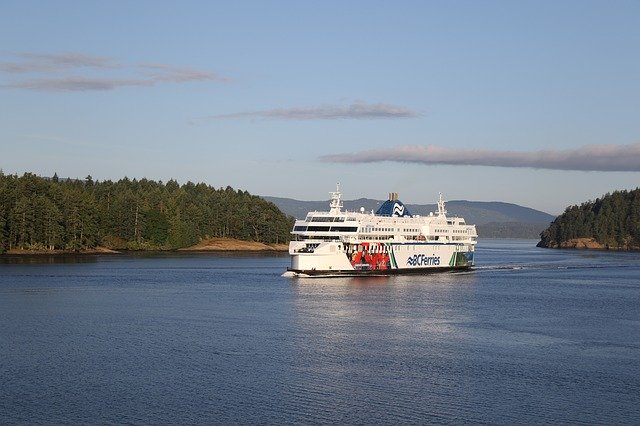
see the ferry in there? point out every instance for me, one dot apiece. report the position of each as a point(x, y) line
point(389, 241)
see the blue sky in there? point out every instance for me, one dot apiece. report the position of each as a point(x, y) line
point(535, 103)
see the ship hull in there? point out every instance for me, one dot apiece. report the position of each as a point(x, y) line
point(313, 273)
point(378, 258)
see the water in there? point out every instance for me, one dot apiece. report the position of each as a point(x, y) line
point(530, 336)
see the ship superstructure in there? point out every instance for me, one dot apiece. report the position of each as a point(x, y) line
point(391, 240)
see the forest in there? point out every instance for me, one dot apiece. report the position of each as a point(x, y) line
point(613, 221)
point(47, 214)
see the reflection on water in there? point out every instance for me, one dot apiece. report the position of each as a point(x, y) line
point(46, 259)
point(34, 259)
point(529, 336)
point(356, 333)
point(520, 338)
point(401, 308)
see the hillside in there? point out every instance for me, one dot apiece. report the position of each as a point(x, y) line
point(493, 219)
point(611, 222)
point(53, 215)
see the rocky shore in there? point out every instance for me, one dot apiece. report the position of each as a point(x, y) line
point(584, 243)
point(229, 244)
point(211, 244)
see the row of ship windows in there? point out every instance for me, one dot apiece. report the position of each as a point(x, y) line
point(367, 229)
point(302, 228)
point(369, 236)
point(383, 248)
point(455, 231)
point(376, 237)
point(389, 230)
point(326, 219)
point(378, 229)
point(417, 248)
point(415, 238)
point(329, 219)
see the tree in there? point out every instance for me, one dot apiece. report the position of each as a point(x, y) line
point(41, 214)
point(613, 221)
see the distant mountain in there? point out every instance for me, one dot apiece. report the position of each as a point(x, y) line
point(493, 219)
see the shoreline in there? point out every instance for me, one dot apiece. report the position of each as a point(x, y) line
point(24, 252)
point(210, 245)
point(229, 244)
point(585, 244)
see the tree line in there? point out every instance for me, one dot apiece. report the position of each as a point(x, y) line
point(613, 221)
point(63, 214)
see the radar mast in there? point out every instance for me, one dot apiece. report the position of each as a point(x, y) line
point(336, 202)
point(441, 210)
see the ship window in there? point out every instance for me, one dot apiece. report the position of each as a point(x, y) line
point(322, 219)
point(300, 228)
point(344, 228)
point(317, 228)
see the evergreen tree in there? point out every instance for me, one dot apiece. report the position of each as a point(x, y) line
point(37, 213)
point(613, 221)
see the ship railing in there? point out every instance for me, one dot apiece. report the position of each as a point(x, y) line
point(307, 248)
point(304, 250)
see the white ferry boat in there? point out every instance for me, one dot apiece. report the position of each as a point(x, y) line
point(390, 241)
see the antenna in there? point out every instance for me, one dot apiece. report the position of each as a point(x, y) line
point(336, 202)
point(441, 210)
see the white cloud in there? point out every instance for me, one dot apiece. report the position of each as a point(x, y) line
point(76, 84)
point(67, 72)
point(607, 158)
point(163, 72)
point(357, 110)
point(54, 62)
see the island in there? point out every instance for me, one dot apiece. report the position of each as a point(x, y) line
point(608, 223)
point(40, 215)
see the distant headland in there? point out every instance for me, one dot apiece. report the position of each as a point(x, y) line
point(608, 223)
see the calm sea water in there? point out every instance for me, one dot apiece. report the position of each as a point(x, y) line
point(529, 336)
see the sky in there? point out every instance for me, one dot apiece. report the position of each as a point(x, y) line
point(529, 102)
